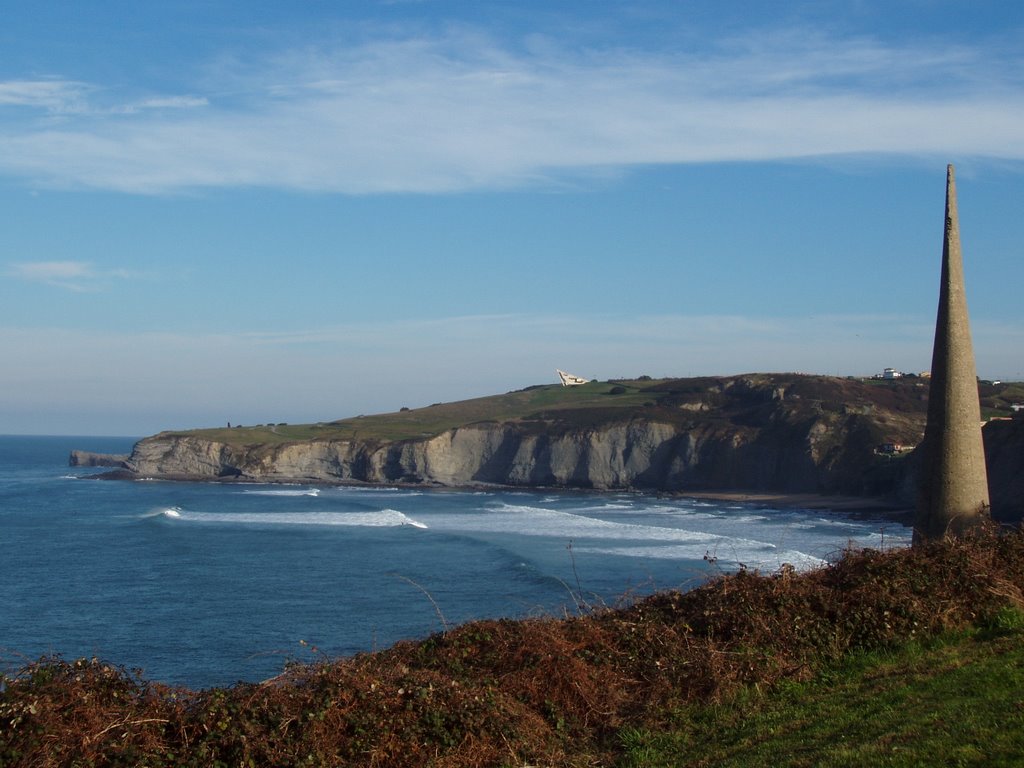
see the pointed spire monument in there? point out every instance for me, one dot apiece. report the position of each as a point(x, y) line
point(953, 484)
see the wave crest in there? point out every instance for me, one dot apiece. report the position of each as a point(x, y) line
point(384, 518)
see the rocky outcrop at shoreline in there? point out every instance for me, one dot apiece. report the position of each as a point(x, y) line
point(90, 459)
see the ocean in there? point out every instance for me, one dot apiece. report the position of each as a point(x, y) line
point(203, 584)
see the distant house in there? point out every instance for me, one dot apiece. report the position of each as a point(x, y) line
point(891, 373)
point(1017, 407)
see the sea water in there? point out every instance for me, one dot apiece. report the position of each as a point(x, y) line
point(204, 584)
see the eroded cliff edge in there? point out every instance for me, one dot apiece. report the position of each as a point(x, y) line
point(779, 432)
point(773, 433)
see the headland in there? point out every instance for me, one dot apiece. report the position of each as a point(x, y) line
point(776, 438)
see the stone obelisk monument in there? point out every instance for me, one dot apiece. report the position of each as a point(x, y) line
point(953, 485)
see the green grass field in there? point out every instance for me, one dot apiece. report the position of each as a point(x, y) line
point(435, 419)
point(957, 700)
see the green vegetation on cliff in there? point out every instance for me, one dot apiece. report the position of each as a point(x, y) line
point(411, 424)
point(686, 402)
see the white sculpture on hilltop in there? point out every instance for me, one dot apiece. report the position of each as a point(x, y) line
point(568, 380)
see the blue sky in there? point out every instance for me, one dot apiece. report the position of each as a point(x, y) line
point(224, 211)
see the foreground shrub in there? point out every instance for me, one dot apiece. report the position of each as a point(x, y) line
point(503, 692)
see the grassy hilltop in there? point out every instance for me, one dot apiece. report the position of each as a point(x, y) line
point(587, 400)
point(686, 402)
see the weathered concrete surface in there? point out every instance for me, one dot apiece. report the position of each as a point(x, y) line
point(953, 486)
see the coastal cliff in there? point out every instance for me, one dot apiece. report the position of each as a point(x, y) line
point(90, 459)
point(760, 432)
point(1004, 458)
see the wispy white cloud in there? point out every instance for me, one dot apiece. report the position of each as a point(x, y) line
point(174, 102)
point(78, 276)
point(164, 102)
point(67, 97)
point(50, 94)
point(462, 112)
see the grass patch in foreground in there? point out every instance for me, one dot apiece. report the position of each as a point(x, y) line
point(955, 701)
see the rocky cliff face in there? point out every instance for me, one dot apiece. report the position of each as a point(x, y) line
point(1004, 457)
point(751, 434)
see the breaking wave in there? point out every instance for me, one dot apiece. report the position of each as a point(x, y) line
point(283, 492)
point(385, 518)
point(755, 555)
point(742, 536)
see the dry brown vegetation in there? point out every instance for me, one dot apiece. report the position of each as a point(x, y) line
point(503, 692)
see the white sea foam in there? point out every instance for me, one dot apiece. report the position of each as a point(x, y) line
point(757, 538)
point(742, 539)
point(378, 489)
point(283, 492)
point(763, 558)
point(668, 509)
point(537, 521)
point(381, 519)
point(747, 518)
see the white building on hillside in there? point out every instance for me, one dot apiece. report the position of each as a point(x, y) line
point(568, 380)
